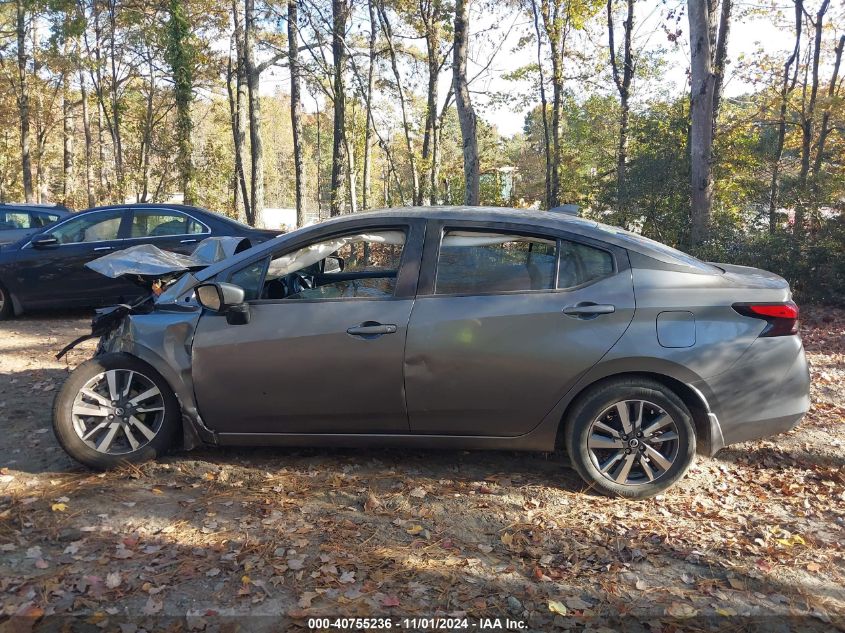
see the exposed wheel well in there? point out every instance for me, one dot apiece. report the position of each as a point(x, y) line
point(693, 400)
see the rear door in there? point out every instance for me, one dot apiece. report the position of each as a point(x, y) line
point(505, 322)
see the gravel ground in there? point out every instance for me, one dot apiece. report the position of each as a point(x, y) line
point(255, 540)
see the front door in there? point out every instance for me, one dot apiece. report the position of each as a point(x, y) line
point(491, 349)
point(57, 275)
point(323, 350)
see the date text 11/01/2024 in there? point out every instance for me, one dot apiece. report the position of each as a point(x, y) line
point(413, 624)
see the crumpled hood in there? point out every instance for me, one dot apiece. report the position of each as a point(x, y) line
point(147, 260)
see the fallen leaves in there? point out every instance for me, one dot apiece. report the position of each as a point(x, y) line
point(555, 606)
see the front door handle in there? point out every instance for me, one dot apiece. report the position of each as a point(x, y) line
point(104, 248)
point(588, 310)
point(371, 329)
point(187, 241)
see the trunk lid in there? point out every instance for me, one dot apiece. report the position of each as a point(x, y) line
point(748, 277)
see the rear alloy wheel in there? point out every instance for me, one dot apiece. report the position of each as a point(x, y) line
point(631, 438)
point(113, 409)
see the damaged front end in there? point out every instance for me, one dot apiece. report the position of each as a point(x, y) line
point(159, 327)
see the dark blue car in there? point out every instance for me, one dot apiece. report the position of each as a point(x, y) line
point(47, 269)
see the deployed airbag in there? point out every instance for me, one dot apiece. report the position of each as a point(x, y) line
point(150, 261)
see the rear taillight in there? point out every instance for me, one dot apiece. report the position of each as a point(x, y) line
point(782, 318)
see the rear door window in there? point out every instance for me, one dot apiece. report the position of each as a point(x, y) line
point(475, 262)
point(163, 223)
point(580, 264)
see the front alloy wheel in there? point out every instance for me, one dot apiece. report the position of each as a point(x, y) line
point(630, 437)
point(113, 409)
point(118, 411)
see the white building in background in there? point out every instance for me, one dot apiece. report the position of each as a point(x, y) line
point(278, 218)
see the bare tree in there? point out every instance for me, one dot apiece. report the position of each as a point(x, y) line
point(296, 109)
point(787, 85)
point(409, 145)
point(22, 27)
point(544, 105)
point(623, 86)
point(237, 110)
point(466, 114)
point(807, 119)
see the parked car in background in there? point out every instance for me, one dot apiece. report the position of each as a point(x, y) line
point(47, 269)
point(471, 328)
point(18, 220)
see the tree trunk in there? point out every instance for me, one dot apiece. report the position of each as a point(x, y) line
point(67, 139)
point(86, 130)
point(807, 126)
point(555, 26)
point(115, 103)
point(340, 15)
point(544, 105)
point(432, 44)
point(368, 99)
point(147, 142)
point(824, 128)
point(701, 120)
point(623, 86)
point(296, 110)
point(786, 89)
point(237, 111)
point(719, 57)
point(180, 56)
point(256, 180)
point(466, 114)
point(22, 30)
point(352, 190)
point(412, 161)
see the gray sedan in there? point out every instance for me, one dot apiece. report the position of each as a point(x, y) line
point(473, 328)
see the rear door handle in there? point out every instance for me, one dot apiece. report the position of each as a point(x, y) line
point(104, 248)
point(371, 329)
point(187, 241)
point(588, 310)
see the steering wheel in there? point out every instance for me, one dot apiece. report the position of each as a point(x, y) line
point(300, 282)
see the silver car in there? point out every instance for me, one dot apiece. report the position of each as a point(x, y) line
point(467, 327)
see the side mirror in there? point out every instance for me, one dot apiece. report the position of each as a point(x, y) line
point(219, 297)
point(45, 240)
point(333, 264)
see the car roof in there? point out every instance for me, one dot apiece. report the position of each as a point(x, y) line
point(36, 206)
point(530, 218)
point(186, 208)
point(584, 227)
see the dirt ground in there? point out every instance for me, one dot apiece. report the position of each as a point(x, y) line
point(253, 540)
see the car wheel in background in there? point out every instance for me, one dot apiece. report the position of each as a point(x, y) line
point(115, 409)
point(5, 303)
point(630, 437)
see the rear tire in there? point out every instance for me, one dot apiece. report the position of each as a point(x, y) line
point(115, 409)
point(630, 437)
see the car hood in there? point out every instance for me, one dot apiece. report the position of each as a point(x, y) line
point(147, 260)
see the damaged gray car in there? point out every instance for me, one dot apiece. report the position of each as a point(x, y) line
point(468, 327)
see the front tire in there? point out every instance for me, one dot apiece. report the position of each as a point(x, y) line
point(630, 437)
point(115, 409)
